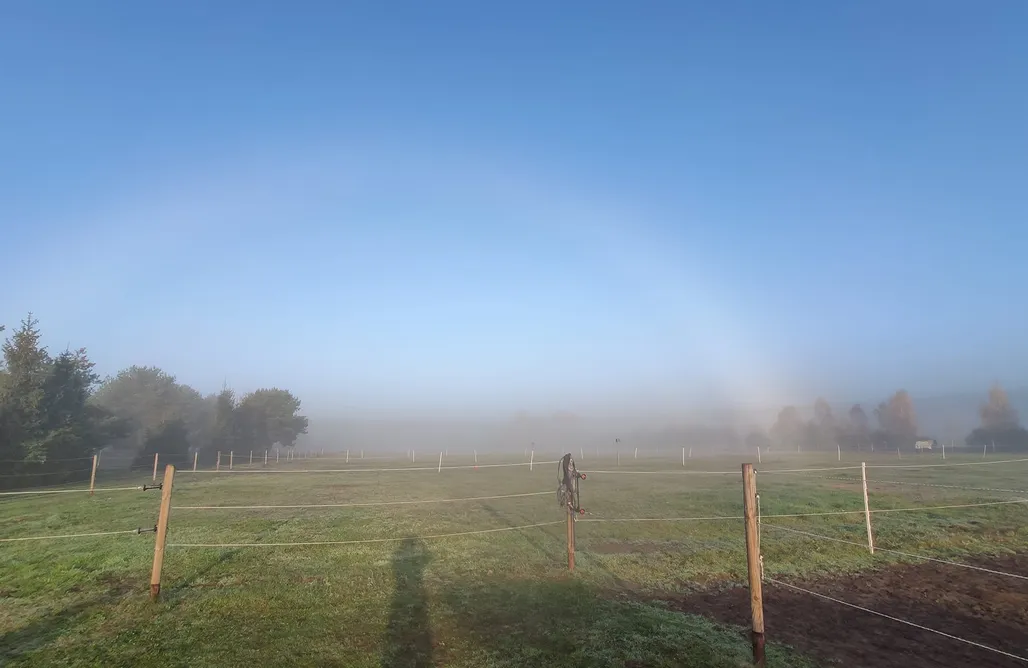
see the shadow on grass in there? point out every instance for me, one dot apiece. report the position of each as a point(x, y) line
point(194, 578)
point(567, 623)
point(408, 639)
point(42, 631)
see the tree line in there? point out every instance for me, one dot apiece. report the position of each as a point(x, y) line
point(895, 426)
point(56, 412)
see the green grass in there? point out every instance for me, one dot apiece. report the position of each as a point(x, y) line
point(494, 599)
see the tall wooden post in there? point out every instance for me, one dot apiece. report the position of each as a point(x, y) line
point(162, 532)
point(867, 509)
point(155, 456)
point(749, 501)
point(571, 539)
point(92, 476)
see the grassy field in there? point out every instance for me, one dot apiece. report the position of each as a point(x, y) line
point(421, 597)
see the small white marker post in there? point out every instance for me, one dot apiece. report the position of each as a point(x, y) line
point(683, 456)
point(619, 458)
point(155, 455)
point(944, 449)
point(195, 456)
point(440, 470)
point(362, 454)
point(867, 508)
point(984, 447)
point(531, 461)
point(231, 457)
point(276, 455)
point(690, 453)
point(581, 453)
point(476, 457)
point(217, 464)
point(758, 455)
point(839, 448)
point(251, 458)
point(347, 456)
point(265, 457)
point(411, 456)
point(636, 453)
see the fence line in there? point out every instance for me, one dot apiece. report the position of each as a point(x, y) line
point(69, 535)
point(368, 540)
point(71, 491)
point(817, 469)
point(360, 470)
point(794, 515)
point(58, 472)
point(902, 554)
point(928, 466)
point(918, 484)
point(47, 460)
point(933, 484)
point(897, 619)
point(370, 503)
point(659, 519)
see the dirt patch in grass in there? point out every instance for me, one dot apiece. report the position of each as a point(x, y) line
point(988, 609)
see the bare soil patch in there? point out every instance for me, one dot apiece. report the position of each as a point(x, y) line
point(981, 607)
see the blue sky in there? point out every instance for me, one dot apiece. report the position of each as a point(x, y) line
point(467, 207)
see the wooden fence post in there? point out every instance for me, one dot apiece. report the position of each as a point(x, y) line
point(92, 476)
point(155, 456)
point(162, 532)
point(867, 509)
point(749, 499)
point(571, 539)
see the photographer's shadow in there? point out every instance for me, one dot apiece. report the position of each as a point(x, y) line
point(408, 639)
